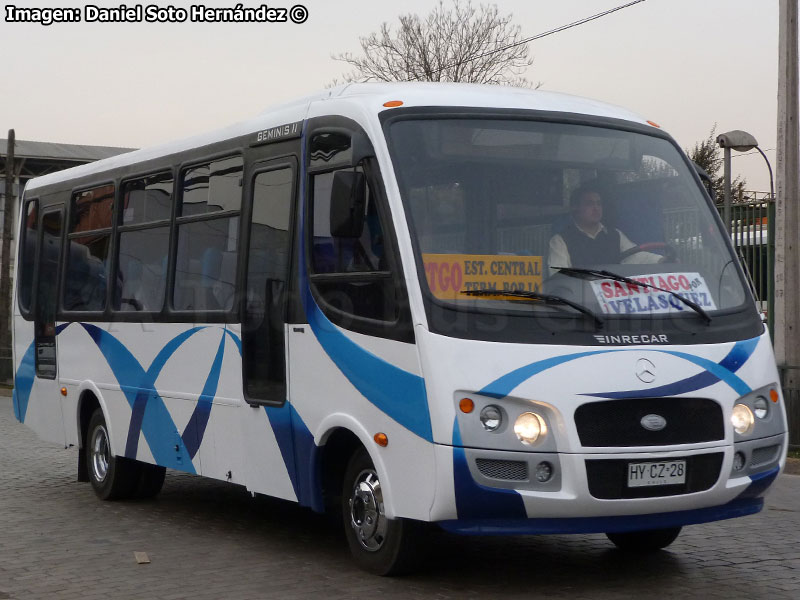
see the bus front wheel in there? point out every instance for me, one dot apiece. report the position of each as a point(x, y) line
point(112, 477)
point(650, 540)
point(378, 544)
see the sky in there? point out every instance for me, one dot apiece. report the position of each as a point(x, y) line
point(685, 64)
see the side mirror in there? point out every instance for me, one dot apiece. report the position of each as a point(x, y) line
point(348, 200)
point(707, 183)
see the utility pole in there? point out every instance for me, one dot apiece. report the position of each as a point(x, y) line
point(6, 367)
point(787, 210)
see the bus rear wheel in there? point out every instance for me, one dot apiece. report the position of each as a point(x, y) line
point(650, 540)
point(112, 477)
point(378, 544)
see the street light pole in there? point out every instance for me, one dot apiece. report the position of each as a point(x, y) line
point(726, 188)
point(6, 367)
point(787, 211)
point(741, 141)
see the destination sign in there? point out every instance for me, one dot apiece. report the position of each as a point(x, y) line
point(450, 275)
point(626, 298)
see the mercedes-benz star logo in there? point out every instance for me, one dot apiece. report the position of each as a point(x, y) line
point(645, 371)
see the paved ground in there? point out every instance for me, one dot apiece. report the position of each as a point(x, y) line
point(208, 540)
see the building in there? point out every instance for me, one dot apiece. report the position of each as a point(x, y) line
point(34, 159)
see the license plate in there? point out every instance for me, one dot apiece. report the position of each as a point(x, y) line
point(656, 473)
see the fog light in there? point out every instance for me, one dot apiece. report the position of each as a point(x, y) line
point(738, 461)
point(742, 419)
point(529, 427)
point(491, 417)
point(544, 471)
point(761, 407)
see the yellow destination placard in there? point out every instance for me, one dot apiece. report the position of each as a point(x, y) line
point(449, 275)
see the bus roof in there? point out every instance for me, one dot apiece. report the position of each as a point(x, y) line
point(370, 97)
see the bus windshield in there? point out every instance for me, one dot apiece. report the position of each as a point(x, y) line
point(512, 205)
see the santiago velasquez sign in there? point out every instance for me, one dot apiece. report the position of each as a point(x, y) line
point(615, 297)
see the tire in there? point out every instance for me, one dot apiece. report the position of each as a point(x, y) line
point(650, 540)
point(379, 545)
point(112, 477)
point(151, 480)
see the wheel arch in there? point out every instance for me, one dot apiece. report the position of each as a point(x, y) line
point(339, 436)
point(90, 399)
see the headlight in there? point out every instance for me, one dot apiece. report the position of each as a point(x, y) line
point(491, 417)
point(761, 407)
point(529, 427)
point(742, 419)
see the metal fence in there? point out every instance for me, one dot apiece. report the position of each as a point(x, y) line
point(753, 236)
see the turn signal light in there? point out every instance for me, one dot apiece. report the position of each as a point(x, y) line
point(773, 395)
point(393, 103)
point(63, 391)
point(381, 440)
point(466, 405)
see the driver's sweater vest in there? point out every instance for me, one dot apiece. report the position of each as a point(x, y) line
point(583, 250)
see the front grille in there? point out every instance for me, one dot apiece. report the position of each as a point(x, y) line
point(608, 479)
point(617, 423)
point(764, 456)
point(512, 470)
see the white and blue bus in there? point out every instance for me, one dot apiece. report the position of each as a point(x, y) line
point(498, 311)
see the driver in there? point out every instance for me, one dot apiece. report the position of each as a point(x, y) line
point(586, 241)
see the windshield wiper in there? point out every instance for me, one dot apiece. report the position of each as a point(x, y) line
point(545, 298)
point(603, 274)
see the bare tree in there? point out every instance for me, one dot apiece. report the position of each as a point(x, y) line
point(458, 43)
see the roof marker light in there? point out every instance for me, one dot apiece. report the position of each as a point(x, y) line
point(393, 103)
point(654, 124)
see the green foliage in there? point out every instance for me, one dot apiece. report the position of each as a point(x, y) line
point(709, 156)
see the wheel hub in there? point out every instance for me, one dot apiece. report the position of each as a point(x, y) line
point(100, 454)
point(367, 516)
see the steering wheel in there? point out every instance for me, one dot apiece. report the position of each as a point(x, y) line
point(669, 251)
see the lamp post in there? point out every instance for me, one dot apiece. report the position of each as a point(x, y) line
point(741, 141)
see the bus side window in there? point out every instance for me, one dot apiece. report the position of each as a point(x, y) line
point(28, 255)
point(88, 249)
point(352, 274)
point(208, 236)
point(141, 269)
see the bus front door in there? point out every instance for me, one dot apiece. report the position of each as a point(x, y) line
point(45, 415)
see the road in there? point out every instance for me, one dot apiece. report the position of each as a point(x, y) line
point(208, 540)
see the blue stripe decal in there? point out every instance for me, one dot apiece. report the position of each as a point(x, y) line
point(147, 389)
point(396, 392)
point(733, 361)
point(739, 507)
point(714, 372)
point(475, 501)
point(503, 386)
point(157, 424)
point(23, 379)
point(297, 447)
point(299, 453)
point(235, 339)
point(23, 382)
point(196, 428)
point(759, 483)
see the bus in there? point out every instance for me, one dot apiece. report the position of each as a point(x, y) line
point(484, 309)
